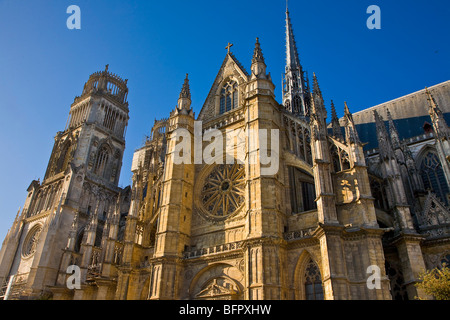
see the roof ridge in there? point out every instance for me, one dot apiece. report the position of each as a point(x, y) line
point(402, 97)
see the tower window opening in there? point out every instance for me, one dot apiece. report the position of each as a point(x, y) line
point(102, 161)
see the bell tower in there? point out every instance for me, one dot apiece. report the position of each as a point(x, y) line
point(82, 177)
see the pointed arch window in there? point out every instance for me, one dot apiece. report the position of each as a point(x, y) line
point(64, 157)
point(313, 282)
point(102, 161)
point(398, 288)
point(297, 105)
point(229, 97)
point(98, 235)
point(433, 176)
point(302, 190)
point(79, 240)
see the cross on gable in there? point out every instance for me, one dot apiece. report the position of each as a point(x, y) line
point(228, 47)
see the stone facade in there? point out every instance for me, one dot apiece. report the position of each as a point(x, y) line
point(313, 229)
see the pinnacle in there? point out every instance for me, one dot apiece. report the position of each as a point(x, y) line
point(316, 88)
point(392, 129)
point(316, 91)
point(346, 109)
point(257, 53)
point(336, 128)
point(391, 122)
point(333, 111)
point(185, 91)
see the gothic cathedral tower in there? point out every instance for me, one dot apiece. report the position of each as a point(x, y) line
point(78, 193)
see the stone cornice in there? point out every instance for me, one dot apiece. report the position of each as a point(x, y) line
point(38, 216)
point(348, 232)
point(407, 237)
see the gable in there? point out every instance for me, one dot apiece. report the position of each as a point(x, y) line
point(434, 213)
point(230, 69)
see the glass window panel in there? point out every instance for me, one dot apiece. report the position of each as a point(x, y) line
point(313, 291)
point(228, 100)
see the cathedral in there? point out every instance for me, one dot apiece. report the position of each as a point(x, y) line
point(368, 191)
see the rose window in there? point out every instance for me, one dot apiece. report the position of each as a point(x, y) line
point(223, 190)
point(31, 241)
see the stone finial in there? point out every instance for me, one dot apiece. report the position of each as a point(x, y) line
point(351, 134)
point(184, 101)
point(185, 90)
point(257, 53)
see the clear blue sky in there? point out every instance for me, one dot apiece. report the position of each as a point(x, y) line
point(43, 65)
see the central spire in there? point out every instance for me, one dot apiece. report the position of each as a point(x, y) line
point(292, 59)
point(295, 95)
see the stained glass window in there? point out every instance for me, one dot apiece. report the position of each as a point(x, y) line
point(313, 282)
point(229, 97)
point(433, 176)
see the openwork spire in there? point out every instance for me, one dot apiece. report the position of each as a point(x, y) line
point(295, 97)
point(292, 59)
point(185, 91)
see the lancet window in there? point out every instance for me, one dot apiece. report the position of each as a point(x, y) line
point(229, 97)
point(302, 189)
point(313, 282)
point(433, 176)
point(102, 161)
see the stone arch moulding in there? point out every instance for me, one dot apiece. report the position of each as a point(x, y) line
point(209, 274)
point(299, 271)
point(422, 152)
point(293, 161)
